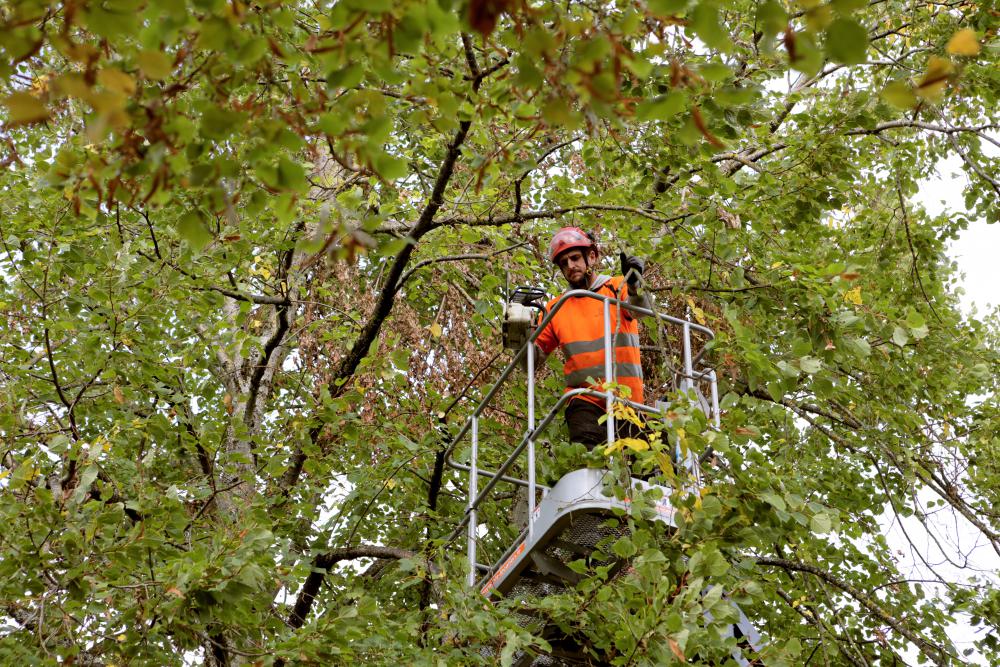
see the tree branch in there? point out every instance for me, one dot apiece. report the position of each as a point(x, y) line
point(928, 648)
point(263, 299)
point(455, 258)
point(973, 165)
point(325, 561)
point(931, 127)
point(814, 620)
point(387, 297)
point(508, 218)
point(913, 252)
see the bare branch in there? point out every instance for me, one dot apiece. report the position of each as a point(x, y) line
point(325, 561)
point(936, 653)
point(387, 296)
point(499, 220)
point(455, 258)
point(931, 127)
point(814, 620)
point(973, 164)
point(913, 252)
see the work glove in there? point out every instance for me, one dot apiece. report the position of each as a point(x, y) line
point(632, 268)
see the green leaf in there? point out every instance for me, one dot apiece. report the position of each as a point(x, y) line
point(899, 336)
point(847, 41)
point(734, 96)
point(803, 53)
point(711, 506)
point(810, 365)
point(332, 124)
point(24, 108)
point(390, 167)
point(706, 25)
point(716, 564)
point(848, 6)
point(776, 390)
point(662, 107)
point(772, 17)
point(252, 51)
point(787, 369)
point(715, 71)
point(774, 500)
point(218, 123)
point(345, 77)
point(291, 175)
point(154, 64)
point(112, 21)
point(859, 347)
point(666, 7)
point(714, 594)
point(510, 647)
point(557, 112)
point(916, 323)
point(624, 548)
point(192, 228)
point(900, 95)
point(820, 523)
point(87, 478)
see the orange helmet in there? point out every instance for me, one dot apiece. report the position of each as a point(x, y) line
point(569, 237)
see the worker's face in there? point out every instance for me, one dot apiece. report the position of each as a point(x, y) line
point(574, 266)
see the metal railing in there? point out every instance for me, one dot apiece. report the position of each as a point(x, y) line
point(691, 375)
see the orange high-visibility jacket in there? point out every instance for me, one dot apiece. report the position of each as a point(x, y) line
point(578, 328)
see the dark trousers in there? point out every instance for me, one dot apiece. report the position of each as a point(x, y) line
point(582, 418)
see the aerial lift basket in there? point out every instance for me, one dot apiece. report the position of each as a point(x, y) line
point(577, 515)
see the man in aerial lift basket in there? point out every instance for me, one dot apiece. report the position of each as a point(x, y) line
point(578, 328)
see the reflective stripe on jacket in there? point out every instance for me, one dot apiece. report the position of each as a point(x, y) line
point(578, 328)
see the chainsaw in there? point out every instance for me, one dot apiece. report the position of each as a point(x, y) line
point(520, 317)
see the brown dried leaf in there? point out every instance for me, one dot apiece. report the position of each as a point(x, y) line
point(676, 649)
point(483, 14)
point(729, 219)
point(789, 39)
point(699, 122)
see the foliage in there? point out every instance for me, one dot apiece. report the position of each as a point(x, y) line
point(253, 258)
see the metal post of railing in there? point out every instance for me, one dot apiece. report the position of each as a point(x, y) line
point(473, 492)
point(608, 375)
point(686, 385)
point(531, 441)
point(715, 399)
point(687, 382)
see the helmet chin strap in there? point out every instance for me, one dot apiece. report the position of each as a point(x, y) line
point(590, 269)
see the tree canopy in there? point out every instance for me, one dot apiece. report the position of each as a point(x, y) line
point(254, 257)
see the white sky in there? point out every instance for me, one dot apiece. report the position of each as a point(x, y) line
point(974, 251)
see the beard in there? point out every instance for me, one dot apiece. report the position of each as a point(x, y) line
point(582, 283)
